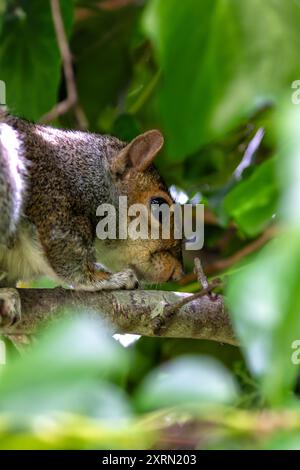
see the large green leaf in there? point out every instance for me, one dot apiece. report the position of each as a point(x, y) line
point(264, 299)
point(101, 49)
point(220, 61)
point(253, 202)
point(30, 61)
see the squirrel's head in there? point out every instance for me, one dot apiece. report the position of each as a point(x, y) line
point(154, 259)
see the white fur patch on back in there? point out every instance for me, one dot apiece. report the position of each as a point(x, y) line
point(12, 148)
point(55, 136)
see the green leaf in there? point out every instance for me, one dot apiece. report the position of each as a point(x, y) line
point(187, 380)
point(219, 61)
point(253, 202)
point(30, 62)
point(126, 127)
point(59, 372)
point(264, 300)
point(101, 46)
point(264, 297)
point(288, 129)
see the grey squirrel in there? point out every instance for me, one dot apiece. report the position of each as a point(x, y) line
point(51, 183)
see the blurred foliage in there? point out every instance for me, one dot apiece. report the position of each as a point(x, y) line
point(31, 67)
point(210, 74)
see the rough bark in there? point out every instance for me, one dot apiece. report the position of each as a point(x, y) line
point(128, 312)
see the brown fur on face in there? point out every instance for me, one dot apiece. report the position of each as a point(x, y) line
point(153, 260)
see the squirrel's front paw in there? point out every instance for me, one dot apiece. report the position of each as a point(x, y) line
point(10, 307)
point(102, 280)
point(123, 280)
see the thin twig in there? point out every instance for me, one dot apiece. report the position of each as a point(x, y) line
point(249, 154)
point(162, 321)
point(247, 250)
point(202, 279)
point(226, 263)
point(72, 96)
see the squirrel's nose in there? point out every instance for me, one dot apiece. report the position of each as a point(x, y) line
point(177, 273)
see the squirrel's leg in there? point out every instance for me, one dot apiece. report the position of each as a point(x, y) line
point(70, 252)
point(10, 307)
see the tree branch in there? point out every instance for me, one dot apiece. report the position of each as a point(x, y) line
point(127, 312)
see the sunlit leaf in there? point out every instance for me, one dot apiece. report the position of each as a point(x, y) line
point(219, 61)
point(187, 380)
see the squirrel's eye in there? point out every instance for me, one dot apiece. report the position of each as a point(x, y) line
point(158, 200)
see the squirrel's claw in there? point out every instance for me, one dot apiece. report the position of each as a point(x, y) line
point(123, 280)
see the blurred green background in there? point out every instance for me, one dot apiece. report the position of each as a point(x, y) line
point(218, 77)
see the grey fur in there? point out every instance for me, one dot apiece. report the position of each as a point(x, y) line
point(68, 175)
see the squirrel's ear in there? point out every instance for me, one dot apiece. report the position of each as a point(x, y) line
point(140, 153)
